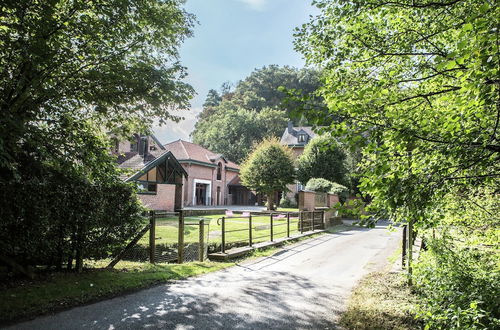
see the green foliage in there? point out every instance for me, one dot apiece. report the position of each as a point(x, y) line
point(459, 286)
point(232, 131)
point(414, 85)
point(285, 202)
point(232, 123)
point(323, 157)
point(70, 71)
point(340, 190)
point(268, 169)
point(319, 185)
point(64, 217)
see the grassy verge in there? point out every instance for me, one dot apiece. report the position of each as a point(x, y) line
point(381, 300)
point(57, 291)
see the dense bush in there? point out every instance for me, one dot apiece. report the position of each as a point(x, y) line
point(64, 218)
point(319, 185)
point(459, 286)
point(286, 202)
point(340, 190)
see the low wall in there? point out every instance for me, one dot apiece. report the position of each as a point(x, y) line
point(310, 201)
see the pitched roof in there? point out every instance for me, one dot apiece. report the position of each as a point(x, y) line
point(139, 165)
point(290, 135)
point(188, 151)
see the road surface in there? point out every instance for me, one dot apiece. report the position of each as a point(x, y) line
point(303, 286)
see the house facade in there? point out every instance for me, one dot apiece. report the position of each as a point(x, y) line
point(157, 172)
point(296, 138)
point(212, 180)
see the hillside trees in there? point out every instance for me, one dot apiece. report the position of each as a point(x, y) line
point(262, 97)
point(69, 71)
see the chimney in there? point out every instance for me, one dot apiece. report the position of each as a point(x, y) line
point(143, 146)
point(290, 127)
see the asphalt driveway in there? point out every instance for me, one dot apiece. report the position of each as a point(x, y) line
point(303, 286)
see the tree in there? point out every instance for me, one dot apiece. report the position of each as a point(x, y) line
point(233, 131)
point(72, 72)
point(268, 169)
point(415, 85)
point(323, 157)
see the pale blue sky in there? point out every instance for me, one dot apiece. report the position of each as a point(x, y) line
point(233, 38)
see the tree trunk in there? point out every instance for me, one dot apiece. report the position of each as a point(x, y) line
point(270, 201)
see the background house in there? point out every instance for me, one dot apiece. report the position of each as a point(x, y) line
point(211, 178)
point(296, 138)
point(155, 169)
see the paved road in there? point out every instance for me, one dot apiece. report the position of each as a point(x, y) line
point(303, 286)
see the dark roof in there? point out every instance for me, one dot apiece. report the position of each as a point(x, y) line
point(188, 151)
point(291, 134)
point(139, 164)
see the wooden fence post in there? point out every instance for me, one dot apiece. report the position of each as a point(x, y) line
point(301, 222)
point(202, 240)
point(403, 247)
point(223, 228)
point(313, 217)
point(180, 243)
point(271, 222)
point(250, 229)
point(288, 224)
point(410, 250)
point(152, 236)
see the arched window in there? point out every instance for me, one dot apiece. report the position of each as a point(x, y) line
point(219, 171)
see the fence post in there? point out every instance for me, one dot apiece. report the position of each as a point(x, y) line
point(152, 236)
point(223, 228)
point(288, 224)
point(271, 221)
point(312, 220)
point(323, 219)
point(301, 222)
point(410, 250)
point(202, 240)
point(250, 230)
point(403, 246)
point(180, 243)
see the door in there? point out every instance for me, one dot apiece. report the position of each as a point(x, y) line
point(201, 193)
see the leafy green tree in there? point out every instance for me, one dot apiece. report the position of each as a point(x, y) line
point(415, 85)
point(268, 169)
point(233, 131)
point(323, 157)
point(71, 71)
point(319, 185)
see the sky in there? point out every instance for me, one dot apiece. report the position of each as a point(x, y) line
point(233, 38)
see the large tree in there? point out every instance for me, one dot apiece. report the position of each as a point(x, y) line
point(416, 85)
point(323, 157)
point(71, 72)
point(268, 169)
point(233, 131)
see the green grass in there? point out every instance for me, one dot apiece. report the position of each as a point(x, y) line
point(381, 300)
point(61, 290)
point(237, 229)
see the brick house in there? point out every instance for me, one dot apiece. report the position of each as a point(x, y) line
point(156, 170)
point(296, 138)
point(211, 178)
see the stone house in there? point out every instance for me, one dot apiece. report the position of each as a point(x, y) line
point(157, 172)
point(211, 180)
point(296, 138)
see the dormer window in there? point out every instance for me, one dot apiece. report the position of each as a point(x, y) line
point(302, 138)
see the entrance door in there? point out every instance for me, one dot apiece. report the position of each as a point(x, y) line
point(201, 193)
point(218, 195)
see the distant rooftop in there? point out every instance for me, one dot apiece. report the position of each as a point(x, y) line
point(297, 135)
point(184, 150)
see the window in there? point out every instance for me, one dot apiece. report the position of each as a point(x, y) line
point(219, 171)
point(302, 138)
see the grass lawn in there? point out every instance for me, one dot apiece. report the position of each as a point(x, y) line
point(237, 229)
point(61, 290)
